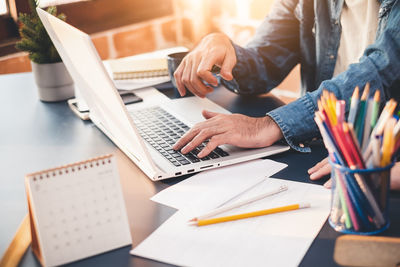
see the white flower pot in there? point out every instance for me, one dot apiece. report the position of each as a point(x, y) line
point(53, 81)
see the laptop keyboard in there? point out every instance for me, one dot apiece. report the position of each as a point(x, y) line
point(161, 130)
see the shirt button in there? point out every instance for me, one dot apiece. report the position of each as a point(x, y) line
point(331, 56)
point(336, 22)
point(236, 91)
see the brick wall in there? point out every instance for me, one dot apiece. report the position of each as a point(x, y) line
point(191, 20)
point(120, 42)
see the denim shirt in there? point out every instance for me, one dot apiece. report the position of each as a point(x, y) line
point(308, 32)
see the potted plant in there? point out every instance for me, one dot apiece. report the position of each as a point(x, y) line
point(52, 78)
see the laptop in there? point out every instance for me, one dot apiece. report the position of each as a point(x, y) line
point(145, 133)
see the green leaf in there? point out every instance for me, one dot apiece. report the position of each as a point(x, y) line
point(52, 10)
point(29, 34)
point(34, 38)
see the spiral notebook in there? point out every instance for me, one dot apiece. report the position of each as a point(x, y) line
point(124, 68)
point(76, 211)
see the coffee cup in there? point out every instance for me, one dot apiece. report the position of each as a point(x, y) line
point(174, 60)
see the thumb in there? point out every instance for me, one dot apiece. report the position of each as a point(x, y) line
point(209, 114)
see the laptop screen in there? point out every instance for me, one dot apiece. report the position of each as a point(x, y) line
point(105, 104)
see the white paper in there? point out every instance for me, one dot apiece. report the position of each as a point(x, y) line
point(209, 189)
point(280, 239)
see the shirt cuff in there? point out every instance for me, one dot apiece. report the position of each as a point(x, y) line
point(296, 121)
point(239, 69)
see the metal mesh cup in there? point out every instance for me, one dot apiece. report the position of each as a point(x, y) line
point(360, 199)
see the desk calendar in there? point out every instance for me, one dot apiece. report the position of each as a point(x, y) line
point(77, 211)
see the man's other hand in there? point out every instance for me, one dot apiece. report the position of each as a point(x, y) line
point(195, 68)
point(323, 168)
point(234, 129)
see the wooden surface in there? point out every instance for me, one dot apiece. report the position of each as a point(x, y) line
point(354, 250)
point(18, 245)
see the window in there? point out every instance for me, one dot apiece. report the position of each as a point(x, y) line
point(90, 16)
point(46, 3)
point(3, 7)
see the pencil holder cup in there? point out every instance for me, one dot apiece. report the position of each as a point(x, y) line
point(360, 199)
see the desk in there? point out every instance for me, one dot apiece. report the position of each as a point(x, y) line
point(36, 135)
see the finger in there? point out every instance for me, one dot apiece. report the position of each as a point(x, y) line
point(204, 69)
point(199, 139)
point(197, 84)
point(321, 172)
point(328, 183)
point(178, 78)
point(395, 177)
point(215, 141)
point(318, 166)
point(186, 78)
point(209, 114)
point(228, 64)
point(186, 138)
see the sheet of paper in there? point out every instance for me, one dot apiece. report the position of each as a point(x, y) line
point(211, 188)
point(280, 239)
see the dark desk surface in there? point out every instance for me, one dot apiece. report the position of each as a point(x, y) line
point(36, 135)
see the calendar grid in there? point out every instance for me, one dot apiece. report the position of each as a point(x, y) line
point(79, 210)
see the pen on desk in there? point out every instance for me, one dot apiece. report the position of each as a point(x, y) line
point(240, 203)
point(250, 214)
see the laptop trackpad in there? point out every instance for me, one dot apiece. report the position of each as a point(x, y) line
point(190, 108)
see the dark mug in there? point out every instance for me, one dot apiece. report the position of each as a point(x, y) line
point(173, 62)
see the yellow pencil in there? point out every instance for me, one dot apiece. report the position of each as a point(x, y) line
point(250, 214)
point(388, 142)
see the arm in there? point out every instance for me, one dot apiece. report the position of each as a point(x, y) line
point(261, 66)
point(379, 65)
point(271, 54)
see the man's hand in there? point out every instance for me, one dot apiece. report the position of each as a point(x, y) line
point(323, 168)
point(195, 68)
point(234, 129)
point(320, 170)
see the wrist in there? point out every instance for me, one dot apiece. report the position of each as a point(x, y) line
point(270, 132)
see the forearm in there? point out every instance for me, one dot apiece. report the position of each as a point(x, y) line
point(379, 66)
point(271, 54)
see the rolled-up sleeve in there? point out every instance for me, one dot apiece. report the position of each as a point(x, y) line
point(380, 66)
point(270, 55)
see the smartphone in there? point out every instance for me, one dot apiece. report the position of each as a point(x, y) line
point(129, 97)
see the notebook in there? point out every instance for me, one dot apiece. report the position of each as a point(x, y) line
point(123, 69)
point(76, 211)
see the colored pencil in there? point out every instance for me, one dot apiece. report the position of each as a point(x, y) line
point(355, 198)
point(250, 214)
point(360, 118)
point(354, 106)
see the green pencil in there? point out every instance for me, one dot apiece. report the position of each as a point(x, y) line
point(375, 108)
